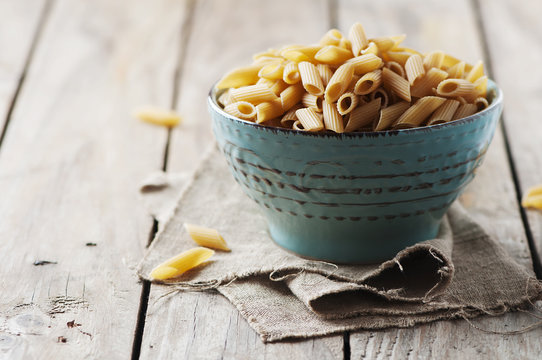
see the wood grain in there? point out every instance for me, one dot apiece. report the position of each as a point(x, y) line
point(193, 325)
point(69, 172)
point(22, 18)
point(490, 198)
point(511, 27)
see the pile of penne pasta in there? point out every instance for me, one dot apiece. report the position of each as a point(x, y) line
point(351, 84)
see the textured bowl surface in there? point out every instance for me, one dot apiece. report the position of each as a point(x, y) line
point(357, 197)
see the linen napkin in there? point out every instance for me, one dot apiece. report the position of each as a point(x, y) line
point(463, 272)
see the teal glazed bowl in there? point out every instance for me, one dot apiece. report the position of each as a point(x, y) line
point(355, 197)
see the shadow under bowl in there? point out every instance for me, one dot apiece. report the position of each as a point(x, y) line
point(354, 197)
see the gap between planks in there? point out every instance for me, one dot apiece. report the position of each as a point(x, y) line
point(535, 258)
point(185, 30)
point(35, 40)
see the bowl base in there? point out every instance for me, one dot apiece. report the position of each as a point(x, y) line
point(351, 243)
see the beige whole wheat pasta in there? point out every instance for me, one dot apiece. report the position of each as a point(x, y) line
point(268, 110)
point(357, 38)
point(254, 94)
point(339, 82)
point(416, 114)
point(333, 55)
point(425, 85)
point(476, 72)
point(347, 102)
point(399, 57)
point(325, 73)
point(381, 94)
point(290, 74)
point(433, 60)
point(365, 63)
point(481, 103)
point(291, 96)
point(241, 109)
point(444, 112)
point(414, 68)
point(456, 87)
point(312, 101)
point(464, 110)
point(396, 68)
point(457, 70)
point(363, 116)
point(332, 119)
point(310, 119)
point(396, 84)
point(310, 78)
point(368, 83)
point(389, 115)
point(289, 117)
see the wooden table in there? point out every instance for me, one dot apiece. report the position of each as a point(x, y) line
point(72, 156)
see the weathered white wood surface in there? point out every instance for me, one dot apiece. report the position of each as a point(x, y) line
point(515, 28)
point(206, 325)
point(69, 171)
point(20, 22)
point(490, 198)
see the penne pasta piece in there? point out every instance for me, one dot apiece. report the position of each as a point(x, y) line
point(370, 49)
point(448, 61)
point(241, 109)
point(290, 74)
point(266, 82)
point(268, 110)
point(243, 76)
point(333, 55)
point(225, 98)
point(347, 102)
point(533, 198)
point(254, 94)
point(456, 87)
point(481, 103)
point(310, 119)
point(461, 100)
point(267, 53)
point(289, 117)
point(271, 71)
point(464, 111)
point(396, 84)
point(481, 86)
point(266, 60)
point(301, 53)
point(278, 87)
point(181, 263)
point(397, 40)
point(433, 60)
point(365, 63)
point(210, 238)
point(357, 38)
point(363, 116)
point(425, 85)
point(310, 78)
point(396, 68)
point(345, 44)
point(444, 113)
point(325, 73)
point(414, 68)
point(381, 94)
point(312, 101)
point(389, 115)
point(476, 72)
point(332, 37)
point(332, 119)
point(158, 116)
point(339, 82)
point(399, 57)
point(417, 114)
point(291, 96)
point(352, 84)
point(368, 83)
point(383, 43)
point(457, 71)
point(298, 126)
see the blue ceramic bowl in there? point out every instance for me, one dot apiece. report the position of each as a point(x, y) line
point(356, 197)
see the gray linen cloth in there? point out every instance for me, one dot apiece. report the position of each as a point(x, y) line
point(460, 274)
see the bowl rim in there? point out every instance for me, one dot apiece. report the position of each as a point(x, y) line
point(497, 100)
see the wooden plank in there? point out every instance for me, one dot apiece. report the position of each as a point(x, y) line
point(195, 325)
point(490, 197)
point(69, 172)
point(510, 29)
point(21, 18)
